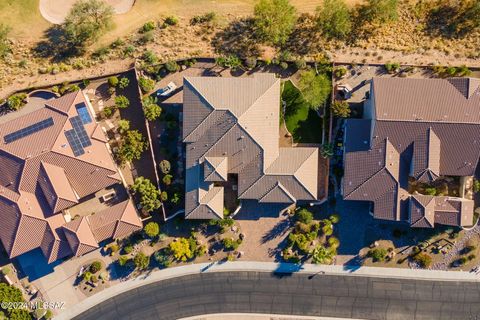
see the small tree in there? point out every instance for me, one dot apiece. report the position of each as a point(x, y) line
point(149, 194)
point(85, 22)
point(165, 166)
point(123, 126)
point(333, 19)
point(304, 216)
point(152, 229)
point(152, 111)
point(378, 254)
point(123, 83)
point(146, 84)
point(141, 261)
point(132, 146)
point(121, 102)
point(95, 266)
point(181, 249)
point(274, 20)
point(87, 276)
point(340, 108)
point(315, 88)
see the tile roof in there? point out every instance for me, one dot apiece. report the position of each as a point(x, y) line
point(40, 177)
point(231, 126)
point(423, 128)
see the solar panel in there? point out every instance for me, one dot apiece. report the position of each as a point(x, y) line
point(77, 125)
point(28, 130)
point(83, 113)
point(74, 143)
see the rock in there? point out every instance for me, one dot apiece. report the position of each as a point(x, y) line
point(240, 254)
point(241, 236)
point(234, 228)
point(184, 67)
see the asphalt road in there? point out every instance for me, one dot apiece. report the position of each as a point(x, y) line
point(357, 297)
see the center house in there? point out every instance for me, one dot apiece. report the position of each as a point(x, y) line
point(231, 132)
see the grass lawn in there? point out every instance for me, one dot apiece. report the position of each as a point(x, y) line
point(302, 122)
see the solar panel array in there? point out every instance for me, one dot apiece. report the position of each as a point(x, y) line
point(36, 127)
point(83, 113)
point(77, 137)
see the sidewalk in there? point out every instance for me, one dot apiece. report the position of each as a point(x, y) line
point(72, 311)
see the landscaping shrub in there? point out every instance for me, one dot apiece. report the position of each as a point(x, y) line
point(146, 84)
point(392, 67)
point(128, 249)
point(141, 261)
point(123, 83)
point(163, 196)
point(378, 254)
point(87, 276)
point(113, 248)
point(251, 62)
point(327, 228)
point(200, 19)
point(16, 101)
point(333, 242)
point(151, 109)
point(172, 66)
point(181, 249)
point(304, 216)
point(424, 260)
point(151, 229)
point(95, 266)
point(322, 255)
point(149, 194)
point(171, 20)
point(397, 233)
point(167, 179)
point(113, 81)
point(123, 260)
point(149, 57)
point(162, 258)
point(335, 218)
point(340, 108)
point(165, 166)
point(340, 72)
point(231, 61)
point(148, 26)
point(300, 64)
point(231, 244)
point(121, 102)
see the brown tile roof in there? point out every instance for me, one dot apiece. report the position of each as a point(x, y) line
point(423, 128)
point(40, 176)
point(231, 126)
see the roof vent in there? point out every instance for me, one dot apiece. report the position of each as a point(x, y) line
point(242, 137)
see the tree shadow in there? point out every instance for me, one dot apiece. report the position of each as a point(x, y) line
point(277, 231)
point(305, 37)
point(56, 46)
point(238, 39)
point(441, 21)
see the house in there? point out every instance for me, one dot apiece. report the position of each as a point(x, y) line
point(60, 190)
point(231, 136)
point(416, 135)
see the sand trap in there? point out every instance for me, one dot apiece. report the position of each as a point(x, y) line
point(55, 11)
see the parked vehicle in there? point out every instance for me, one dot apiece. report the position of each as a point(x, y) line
point(166, 91)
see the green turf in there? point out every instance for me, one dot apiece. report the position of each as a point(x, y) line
point(302, 122)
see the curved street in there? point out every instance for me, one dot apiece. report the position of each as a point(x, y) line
point(347, 296)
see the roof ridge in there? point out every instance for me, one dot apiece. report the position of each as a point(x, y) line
point(260, 96)
point(361, 184)
point(198, 126)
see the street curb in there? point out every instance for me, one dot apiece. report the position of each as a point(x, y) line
point(285, 268)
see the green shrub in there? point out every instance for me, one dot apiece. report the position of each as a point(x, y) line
point(150, 57)
point(123, 83)
point(172, 66)
point(171, 20)
point(87, 276)
point(392, 67)
point(121, 102)
point(123, 260)
point(304, 216)
point(251, 62)
point(431, 191)
point(378, 254)
point(128, 249)
point(148, 26)
point(141, 261)
point(204, 18)
point(333, 242)
point(151, 229)
point(181, 249)
point(231, 244)
point(163, 196)
point(335, 218)
point(340, 108)
point(147, 37)
point(165, 166)
point(300, 64)
point(95, 266)
point(231, 61)
point(424, 260)
point(16, 101)
point(146, 84)
point(113, 81)
point(113, 248)
point(167, 179)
